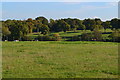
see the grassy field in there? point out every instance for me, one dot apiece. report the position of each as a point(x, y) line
point(67, 35)
point(60, 59)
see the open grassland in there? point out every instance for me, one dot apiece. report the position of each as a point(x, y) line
point(60, 59)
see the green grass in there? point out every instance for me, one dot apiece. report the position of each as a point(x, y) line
point(60, 59)
point(67, 35)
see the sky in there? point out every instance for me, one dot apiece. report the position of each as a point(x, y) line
point(59, 0)
point(57, 10)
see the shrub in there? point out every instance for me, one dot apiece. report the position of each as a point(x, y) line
point(87, 36)
point(115, 36)
point(56, 37)
point(95, 36)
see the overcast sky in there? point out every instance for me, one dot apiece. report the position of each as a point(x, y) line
point(57, 10)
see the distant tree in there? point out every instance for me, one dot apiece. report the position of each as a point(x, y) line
point(106, 25)
point(60, 25)
point(51, 24)
point(44, 29)
point(65, 26)
point(5, 32)
point(115, 23)
point(37, 26)
point(42, 20)
point(115, 36)
point(97, 35)
point(90, 24)
point(74, 27)
point(98, 23)
point(81, 27)
point(30, 24)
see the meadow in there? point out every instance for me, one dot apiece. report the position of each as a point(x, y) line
point(70, 34)
point(60, 59)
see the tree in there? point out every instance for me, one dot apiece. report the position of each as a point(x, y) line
point(97, 35)
point(98, 23)
point(115, 23)
point(5, 32)
point(65, 26)
point(51, 24)
point(60, 25)
point(106, 25)
point(81, 26)
point(30, 24)
point(90, 24)
point(37, 26)
point(42, 20)
point(44, 29)
point(115, 36)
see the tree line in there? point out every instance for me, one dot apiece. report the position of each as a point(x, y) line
point(18, 29)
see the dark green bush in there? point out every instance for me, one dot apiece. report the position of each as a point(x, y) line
point(115, 36)
point(86, 36)
point(95, 36)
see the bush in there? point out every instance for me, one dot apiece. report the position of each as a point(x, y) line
point(115, 36)
point(95, 36)
point(56, 37)
point(87, 36)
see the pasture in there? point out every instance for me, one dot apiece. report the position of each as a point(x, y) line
point(60, 59)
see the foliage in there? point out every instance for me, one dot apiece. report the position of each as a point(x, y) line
point(17, 29)
point(56, 37)
point(106, 25)
point(44, 29)
point(115, 23)
point(87, 36)
point(115, 36)
point(95, 36)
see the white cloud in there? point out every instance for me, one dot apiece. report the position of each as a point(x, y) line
point(96, 17)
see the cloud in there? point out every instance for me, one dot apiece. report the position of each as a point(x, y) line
point(95, 17)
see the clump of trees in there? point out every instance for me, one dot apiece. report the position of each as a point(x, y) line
point(115, 36)
point(19, 29)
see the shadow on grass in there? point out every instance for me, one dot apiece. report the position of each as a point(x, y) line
point(106, 32)
point(72, 32)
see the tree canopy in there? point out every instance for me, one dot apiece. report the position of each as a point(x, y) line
point(17, 29)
